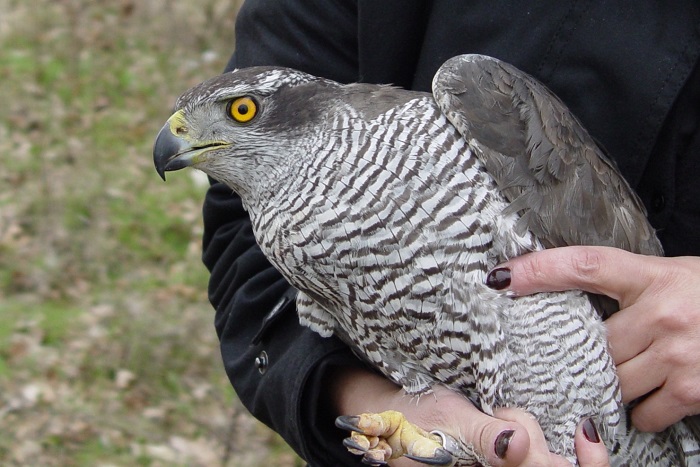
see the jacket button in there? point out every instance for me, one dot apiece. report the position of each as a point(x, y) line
point(658, 202)
point(261, 362)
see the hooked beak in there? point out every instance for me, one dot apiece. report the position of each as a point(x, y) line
point(175, 150)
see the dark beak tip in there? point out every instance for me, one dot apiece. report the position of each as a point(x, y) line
point(161, 173)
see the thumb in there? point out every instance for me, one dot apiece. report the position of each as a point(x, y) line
point(502, 443)
point(602, 270)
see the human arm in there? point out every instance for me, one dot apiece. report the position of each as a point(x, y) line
point(654, 338)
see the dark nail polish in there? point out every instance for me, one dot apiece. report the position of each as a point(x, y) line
point(498, 279)
point(590, 431)
point(502, 443)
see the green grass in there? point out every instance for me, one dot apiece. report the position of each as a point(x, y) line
point(108, 354)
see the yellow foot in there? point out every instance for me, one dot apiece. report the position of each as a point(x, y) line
point(379, 437)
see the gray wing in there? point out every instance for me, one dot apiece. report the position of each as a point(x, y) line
point(550, 169)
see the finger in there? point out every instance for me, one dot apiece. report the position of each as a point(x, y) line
point(635, 376)
point(659, 411)
point(590, 450)
point(502, 442)
point(525, 419)
point(629, 333)
point(538, 452)
point(603, 270)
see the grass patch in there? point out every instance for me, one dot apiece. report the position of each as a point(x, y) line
point(107, 349)
point(49, 321)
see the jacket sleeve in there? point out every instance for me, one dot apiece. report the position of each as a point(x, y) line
point(277, 367)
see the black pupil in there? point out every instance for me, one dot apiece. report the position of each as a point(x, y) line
point(242, 109)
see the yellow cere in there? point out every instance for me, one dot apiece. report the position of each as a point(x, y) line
point(243, 109)
point(177, 123)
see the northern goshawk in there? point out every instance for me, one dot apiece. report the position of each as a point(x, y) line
point(386, 208)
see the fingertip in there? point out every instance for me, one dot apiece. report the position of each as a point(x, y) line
point(498, 278)
point(518, 447)
point(511, 440)
point(590, 450)
point(589, 431)
point(509, 447)
point(502, 443)
point(524, 275)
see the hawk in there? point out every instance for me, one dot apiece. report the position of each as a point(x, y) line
point(386, 208)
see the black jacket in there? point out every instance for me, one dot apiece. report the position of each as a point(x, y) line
point(626, 69)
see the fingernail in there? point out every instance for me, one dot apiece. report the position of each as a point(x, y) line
point(590, 431)
point(502, 443)
point(498, 278)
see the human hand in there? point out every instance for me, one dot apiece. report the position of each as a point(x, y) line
point(511, 438)
point(590, 451)
point(654, 338)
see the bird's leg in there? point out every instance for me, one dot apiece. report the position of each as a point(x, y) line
point(379, 437)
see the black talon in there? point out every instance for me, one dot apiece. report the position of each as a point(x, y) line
point(352, 444)
point(348, 422)
point(441, 457)
point(368, 461)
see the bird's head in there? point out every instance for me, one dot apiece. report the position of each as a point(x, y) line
point(229, 125)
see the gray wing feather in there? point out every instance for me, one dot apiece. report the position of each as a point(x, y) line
point(548, 166)
point(550, 169)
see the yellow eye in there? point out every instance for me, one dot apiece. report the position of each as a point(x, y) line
point(242, 109)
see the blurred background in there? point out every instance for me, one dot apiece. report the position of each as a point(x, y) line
point(108, 354)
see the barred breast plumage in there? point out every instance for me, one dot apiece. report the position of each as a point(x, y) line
point(386, 208)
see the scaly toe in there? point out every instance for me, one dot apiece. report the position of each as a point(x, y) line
point(388, 435)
